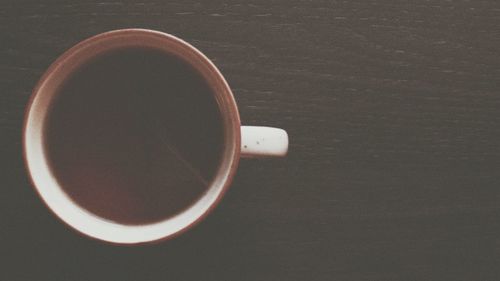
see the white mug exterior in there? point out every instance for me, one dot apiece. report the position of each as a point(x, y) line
point(255, 142)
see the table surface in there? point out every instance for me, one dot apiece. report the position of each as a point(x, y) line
point(392, 108)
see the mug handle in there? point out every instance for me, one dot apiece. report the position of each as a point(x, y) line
point(259, 141)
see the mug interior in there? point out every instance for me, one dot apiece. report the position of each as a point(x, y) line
point(46, 183)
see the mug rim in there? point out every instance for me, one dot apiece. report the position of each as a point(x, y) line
point(174, 46)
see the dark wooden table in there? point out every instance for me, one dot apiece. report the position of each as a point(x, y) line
point(393, 112)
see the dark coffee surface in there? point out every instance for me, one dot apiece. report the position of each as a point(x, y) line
point(134, 136)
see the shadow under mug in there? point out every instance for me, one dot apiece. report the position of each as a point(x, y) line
point(239, 141)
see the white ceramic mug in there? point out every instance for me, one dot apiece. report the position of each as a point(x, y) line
point(240, 141)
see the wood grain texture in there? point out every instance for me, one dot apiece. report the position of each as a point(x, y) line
point(392, 108)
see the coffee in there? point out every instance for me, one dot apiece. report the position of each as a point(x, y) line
point(134, 135)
